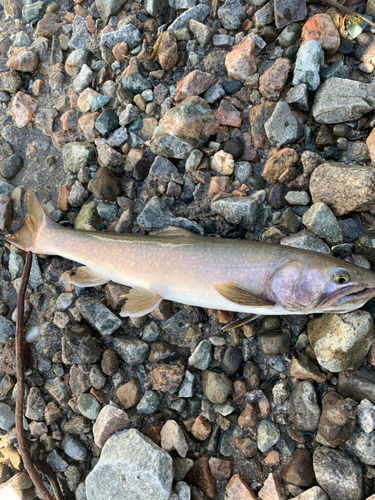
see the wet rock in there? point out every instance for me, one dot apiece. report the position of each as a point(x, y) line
point(195, 83)
point(310, 58)
point(198, 13)
point(23, 108)
point(339, 100)
point(168, 51)
point(128, 34)
point(192, 121)
point(278, 165)
point(24, 61)
point(338, 419)
point(105, 185)
point(147, 470)
point(337, 474)
point(240, 211)
point(200, 475)
point(216, 386)
point(299, 470)
point(110, 420)
point(76, 60)
point(231, 361)
point(240, 62)
point(273, 79)
point(289, 11)
point(80, 36)
point(172, 438)
point(320, 220)
point(282, 127)
point(306, 411)
point(321, 28)
point(132, 350)
point(230, 14)
point(156, 214)
point(289, 222)
point(268, 435)
point(98, 315)
point(341, 341)
point(356, 193)
point(49, 26)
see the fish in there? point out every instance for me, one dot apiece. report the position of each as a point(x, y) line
point(218, 273)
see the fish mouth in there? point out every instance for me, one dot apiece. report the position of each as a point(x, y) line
point(352, 294)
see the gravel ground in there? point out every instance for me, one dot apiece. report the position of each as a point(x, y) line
point(239, 119)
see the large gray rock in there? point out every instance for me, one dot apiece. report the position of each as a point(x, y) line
point(289, 11)
point(128, 34)
point(341, 341)
point(362, 444)
point(230, 14)
point(108, 8)
point(198, 13)
point(341, 100)
point(320, 220)
point(98, 315)
point(310, 57)
point(237, 210)
point(337, 474)
point(282, 127)
point(306, 240)
point(131, 467)
point(358, 385)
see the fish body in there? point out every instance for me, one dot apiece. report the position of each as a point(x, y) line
point(233, 275)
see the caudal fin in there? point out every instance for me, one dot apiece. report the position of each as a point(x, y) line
point(28, 237)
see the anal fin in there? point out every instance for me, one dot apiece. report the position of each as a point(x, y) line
point(241, 296)
point(140, 302)
point(86, 277)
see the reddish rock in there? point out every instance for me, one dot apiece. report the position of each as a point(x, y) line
point(5, 212)
point(26, 61)
point(110, 420)
point(279, 164)
point(69, 121)
point(305, 369)
point(86, 125)
point(221, 469)
point(78, 380)
point(272, 489)
point(299, 471)
point(264, 408)
point(240, 62)
point(90, 24)
point(227, 114)
point(167, 378)
point(195, 83)
point(246, 447)
point(321, 28)
point(129, 393)
point(37, 87)
point(201, 428)
point(218, 184)
point(273, 458)
point(168, 50)
point(172, 438)
point(249, 416)
point(238, 392)
point(258, 115)
point(337, 420)
point(48, 26)
point(237, 489)
point(273, 79)
point(120, 51)
point(23, 109)
point(370, 143)
point(200, 475)
point(64, 204)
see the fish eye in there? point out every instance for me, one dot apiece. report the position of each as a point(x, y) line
point(341, 277)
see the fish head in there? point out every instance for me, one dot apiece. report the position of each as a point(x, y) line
point(321, 283)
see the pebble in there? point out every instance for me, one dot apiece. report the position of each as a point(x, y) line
point(338, 419)
point(216, 386)
point(240, 62)
point(131, 465)
point(237, 489)
point(273, 79)
point(109, 421)
point(341, 341)
point(128, 34)
point(148, 403)
point(228, 115)
point(222, 163)
point(279, 166)
point(306, 411)
point(132, 350)
point(366, 415)
point(314, 493)
point(361, 444)
point(299, 471)
point(237, 210)
point(7, 417)
point(289, 222)
point(24, 61)
point(198, 13)
point(282, 127)
point(230, 14)
point(98, 315)
point(201, 356)
point(105, 185)
point(107, 122)
point(321, 28)
point(129, 394)
point(195, 83)
point(168, 51)
point(23, 108)
point(299, 97)
point(73, 447)
point(200, 475)
point(328, 464)
point(268, 435)
point(167, 378)
point(172, 438)
point(272, 488)
point(274, 343)
point(320, 219)
point(88, 406)
point(231, 361)
point(304, 369)
point(7, 329)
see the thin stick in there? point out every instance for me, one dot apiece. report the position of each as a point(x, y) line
point(20, 369)
point(348, 11)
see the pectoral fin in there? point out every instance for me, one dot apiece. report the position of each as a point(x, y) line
point(86, 277)
point(240, 322)
point(140, 302)
point(241, 296)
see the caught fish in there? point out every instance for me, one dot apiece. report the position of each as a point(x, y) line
point(174, 264)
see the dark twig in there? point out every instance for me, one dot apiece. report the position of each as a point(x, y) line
point(352, 12)
point(20, 369)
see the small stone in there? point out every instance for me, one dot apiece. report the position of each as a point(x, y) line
point(280, 392)
point(107, 122)
point(272, 489)
point(265, 15)
point(306, 411)
point(105, 185)
point(201, 428)
point(321, 220)
point(202, 356)
point(172, 438)
point(274, 343)
point(240, 62)
point(230, 14)
point(297, 198)
point(198, 13)
point(82, 80)
point(148, 403)
point(195, 83)
point(74, 448)
point(120, 51)
point(240, 211)
point(298, 96)
point(132, 350)
point(328, 464)
point(98, 315)
point(216, 386)
point(5, 212)
point(168, 51)
point(220, 469)
point(273, 79)
point(341, 341)
point(128, 34)
point(227, 114)
point(279, 164)
point(129, 394)
point(289, 222)
point(237, 489)
point(23, 108)
point(338, 419)
point(7, 417)
point(321, 28)
point(109, 363)
point(35, 405)
point(287, 11)
point(304, 369)
point(299, 470)
point(231, 361)
point(24, 61)
point(310, 58)
point(366, 415)
point(258, 116)
point(202, 33)
point(76, 60)
point(110, 420)
point(222, 163)
point(248, 417)
point(268, 435)
point(167, 378)
point(77, 155)
point(200, 475)
point(7, 330)
point(282, 127)
point(88, 406)
point(49, 26)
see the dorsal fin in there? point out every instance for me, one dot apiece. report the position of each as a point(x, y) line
point(241, 296)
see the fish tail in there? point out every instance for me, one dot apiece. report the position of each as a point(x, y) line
point(28, 237)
